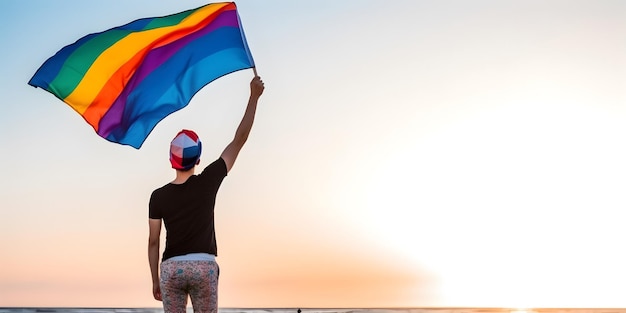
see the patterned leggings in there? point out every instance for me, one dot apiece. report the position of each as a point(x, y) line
point(198, 279)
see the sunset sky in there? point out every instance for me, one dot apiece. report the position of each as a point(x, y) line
point(405, 153)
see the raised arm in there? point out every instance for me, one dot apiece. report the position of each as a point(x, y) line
point(241, 135)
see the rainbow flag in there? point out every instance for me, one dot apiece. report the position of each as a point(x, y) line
point(127, 79)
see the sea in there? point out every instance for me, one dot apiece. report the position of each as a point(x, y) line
point(319, 310)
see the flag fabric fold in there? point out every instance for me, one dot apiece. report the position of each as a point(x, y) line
point(125, 80)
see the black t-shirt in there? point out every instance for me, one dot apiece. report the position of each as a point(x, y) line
point(187, 211)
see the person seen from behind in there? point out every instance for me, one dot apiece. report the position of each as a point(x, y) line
point(188, 266)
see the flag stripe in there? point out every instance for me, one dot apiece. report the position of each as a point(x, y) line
point(169, 20)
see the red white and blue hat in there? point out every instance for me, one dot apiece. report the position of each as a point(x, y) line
point(185, 150)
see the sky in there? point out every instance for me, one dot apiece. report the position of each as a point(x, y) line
point(405, 153)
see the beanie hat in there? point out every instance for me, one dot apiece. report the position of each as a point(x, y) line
point(185, 150)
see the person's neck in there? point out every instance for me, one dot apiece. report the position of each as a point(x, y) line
point(182, 176)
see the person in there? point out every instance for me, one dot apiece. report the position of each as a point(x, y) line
point(185, 206)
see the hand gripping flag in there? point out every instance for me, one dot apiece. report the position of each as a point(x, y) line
point(127, 79)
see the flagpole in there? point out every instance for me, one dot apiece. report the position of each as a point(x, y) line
point(254, 70)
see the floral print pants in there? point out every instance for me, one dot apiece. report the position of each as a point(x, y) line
point(198, 279)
